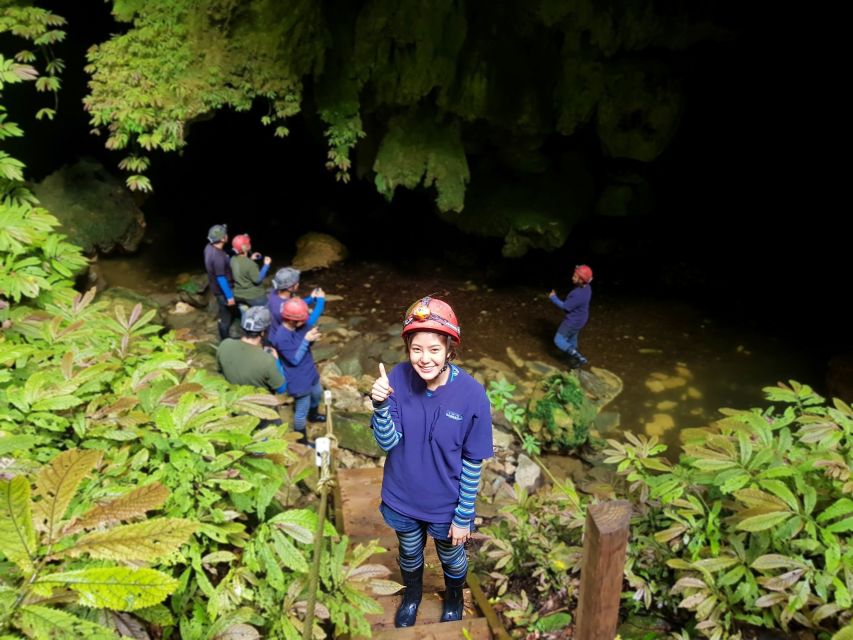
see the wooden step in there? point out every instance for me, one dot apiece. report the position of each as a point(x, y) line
point(476, 627)
point(433, 575)
point(428, 612)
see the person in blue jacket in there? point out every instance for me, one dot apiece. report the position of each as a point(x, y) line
point(285, 284)
point(293, 342)
point(576, 306)
point(434, 421)
point(218, 267)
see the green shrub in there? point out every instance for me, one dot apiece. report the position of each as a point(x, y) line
point(754, 524)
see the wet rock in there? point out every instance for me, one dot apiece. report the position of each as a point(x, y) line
point(666, 405)
point(540, 369)
point(328, 370)
point(514, 358)
point(600, 385)
point(492, 364)
point(182, 308)
point(354, 433)
point(192, 289)
point(528, 475)
point(127, 299)
point(97, 211)
point(607, 421)
point(638, 627)
point(324, 351)
point(318, 251)
point(351, 365)
point(565, 467)
point(502, 439)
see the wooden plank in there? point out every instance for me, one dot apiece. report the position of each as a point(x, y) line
point(605, 541)
point(490, 615)
point(433, 575)
point(428, 612)
point(478, 629)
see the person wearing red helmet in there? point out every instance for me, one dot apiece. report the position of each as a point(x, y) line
point(248, 279)
point(434, 421)
point(576, 308)
point(285, 284)
point(293, 341)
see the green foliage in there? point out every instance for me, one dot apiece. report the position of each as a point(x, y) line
point(121, 393)
point(754, 525)
point(557, 418)
point(428, 82)
point(534, 543)
point(559, 413)
point(32, 538)
point(35, 262)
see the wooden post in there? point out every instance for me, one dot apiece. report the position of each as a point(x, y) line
point(605, 542)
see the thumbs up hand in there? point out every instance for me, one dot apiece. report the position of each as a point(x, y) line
point(381, 388)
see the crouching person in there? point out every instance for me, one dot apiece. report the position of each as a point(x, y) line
point(245, 361)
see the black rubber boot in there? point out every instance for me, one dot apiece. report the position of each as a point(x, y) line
point(576, 359)
point(453, 605)
point(408, 611)
point(315, 416)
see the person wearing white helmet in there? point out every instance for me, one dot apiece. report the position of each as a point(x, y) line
point(285, 284)
point(218, 268)
point(245, 361)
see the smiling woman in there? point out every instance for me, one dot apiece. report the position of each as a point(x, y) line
point(434, 421)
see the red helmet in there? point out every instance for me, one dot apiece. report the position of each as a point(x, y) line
point(583, 272)
point(241, 242)
point(429, 314)
point(295, 310)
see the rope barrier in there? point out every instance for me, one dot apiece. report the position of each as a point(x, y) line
point(323, 459)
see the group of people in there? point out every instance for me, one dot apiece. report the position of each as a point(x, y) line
point(278, 328)
point(431, 417)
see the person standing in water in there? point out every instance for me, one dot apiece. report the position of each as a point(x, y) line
point(576, 306)
point(434, 421)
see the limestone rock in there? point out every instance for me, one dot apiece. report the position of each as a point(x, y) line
point(528, 475)
point(96, 210)
point(318, 251)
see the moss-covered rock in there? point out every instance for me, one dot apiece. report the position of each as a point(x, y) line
point(96, 211)
point(354, 433)
point(127, 299)
point(560, 413)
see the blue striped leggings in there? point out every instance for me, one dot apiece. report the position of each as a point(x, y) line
point(412, 535)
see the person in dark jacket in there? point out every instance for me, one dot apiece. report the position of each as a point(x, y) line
point(218, 267)
point(576, 307)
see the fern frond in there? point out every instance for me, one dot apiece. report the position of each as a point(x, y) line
point(143, 541)
point(17, 537)
point(56, 485)
point(133, 504)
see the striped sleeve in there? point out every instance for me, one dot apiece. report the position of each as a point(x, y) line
point(468, 484)
point(384, 431)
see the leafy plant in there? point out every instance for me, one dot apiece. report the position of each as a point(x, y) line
point(44, 539)
point(533, 546)
point(754, 525)
point(559, 414)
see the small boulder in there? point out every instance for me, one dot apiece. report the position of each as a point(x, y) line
point(318, 251)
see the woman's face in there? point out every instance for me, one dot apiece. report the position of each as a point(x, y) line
point(428, 354)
